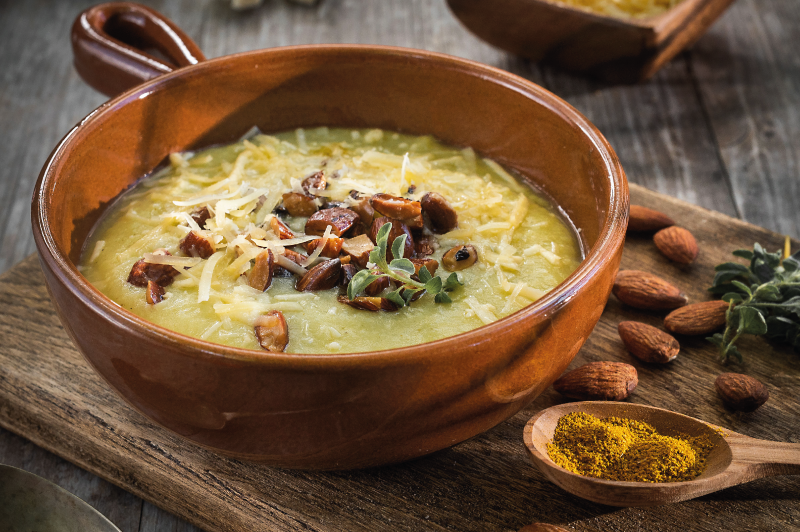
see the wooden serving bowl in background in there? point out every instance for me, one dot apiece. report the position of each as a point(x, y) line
point(615, 49)
point(318, 411)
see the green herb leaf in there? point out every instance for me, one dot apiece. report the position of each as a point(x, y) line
point(768, 292)
point(434, 286)
point(408, 294)
point(751, 321)
point(396, 298)
point(402, 265)
point(764, 298)
point(401, 271)
point(452, 283)
point(383, 233)
point(359, 282)
point(741, 286)
point(424, 274)
point(442, 297)
point(398, 246)
point(733, 296)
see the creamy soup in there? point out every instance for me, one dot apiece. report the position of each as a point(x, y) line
point(215, 246)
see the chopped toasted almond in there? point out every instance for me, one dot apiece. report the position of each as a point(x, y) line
point(348, 271)
point(200, 216)
point(260, 276)
point(272, 332)
point(442, 216)
point(425, 245)
point(358, 249)
point(398, 229)
point(431, 264)
point(459, 258)
point(373, 304)
point(316, 181)
point(280, 229)
point(364, 210)
point(298, 204)
point(161, 274)
point(197, 245)
point(297, 258)
point(377, 286)
point(332, 246)
point(323, 276)
point(340, 221)
point(155, 293)
point(407, 211)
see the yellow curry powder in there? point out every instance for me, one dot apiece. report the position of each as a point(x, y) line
point(626, 450)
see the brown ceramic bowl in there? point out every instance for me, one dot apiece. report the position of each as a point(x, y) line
point(578, 40)
point(319, 411)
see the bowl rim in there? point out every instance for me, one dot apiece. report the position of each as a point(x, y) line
point(655, 24)
point(612, 232)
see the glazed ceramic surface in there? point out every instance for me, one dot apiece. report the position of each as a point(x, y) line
point(612, 48)
point(321, 411)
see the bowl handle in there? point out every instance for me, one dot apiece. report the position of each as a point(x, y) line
point(119, 45)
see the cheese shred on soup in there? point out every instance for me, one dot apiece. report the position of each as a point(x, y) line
point(253, 244)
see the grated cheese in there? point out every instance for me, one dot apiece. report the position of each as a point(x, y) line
point(204, 286)
point(318, 250)
point(246, 183)
point(537, 249)
point(98, 249)
point(483, 312)
point(171, 260)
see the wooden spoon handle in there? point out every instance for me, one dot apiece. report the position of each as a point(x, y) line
point(766, 458)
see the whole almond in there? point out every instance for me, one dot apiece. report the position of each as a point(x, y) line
point(677, 244)
point(644, 219)
point(741, 392)
point(647, 291)
point(603, 381)
point(697, 318)
point(647, 343)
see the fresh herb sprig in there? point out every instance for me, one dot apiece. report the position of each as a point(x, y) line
point(401, 270)
point(764, 299)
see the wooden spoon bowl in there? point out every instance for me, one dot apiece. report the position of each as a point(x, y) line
point(736, 458)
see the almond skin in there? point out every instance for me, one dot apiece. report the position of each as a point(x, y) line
point(644, 219)
point(677, 244)
point(646, 291)
point(598, 381)
point(647, 343)
point(697, 318)
point(741, 392)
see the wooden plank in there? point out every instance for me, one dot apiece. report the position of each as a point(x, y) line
point(748, 77)
point(50, 395)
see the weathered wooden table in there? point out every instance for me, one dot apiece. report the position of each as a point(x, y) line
point(718, 127)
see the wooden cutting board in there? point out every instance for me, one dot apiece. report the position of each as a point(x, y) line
point(49, 395)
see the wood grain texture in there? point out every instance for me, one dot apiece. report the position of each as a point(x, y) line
point(50, 395)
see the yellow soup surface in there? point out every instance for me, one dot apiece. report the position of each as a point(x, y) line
point(525, 247)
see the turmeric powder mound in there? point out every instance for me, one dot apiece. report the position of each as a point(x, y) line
point(626, 450)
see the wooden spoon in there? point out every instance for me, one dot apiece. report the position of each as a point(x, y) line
point(736, 458)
